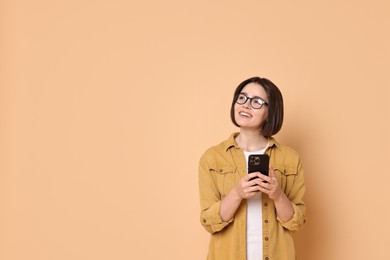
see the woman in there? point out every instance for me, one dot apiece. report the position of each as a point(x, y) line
point(252, 218)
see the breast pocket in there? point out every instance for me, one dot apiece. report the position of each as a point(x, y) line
point(226, 178)
point(286, 177)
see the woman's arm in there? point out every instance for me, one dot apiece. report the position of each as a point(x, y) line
point(217, 212)
point(290, 209)
point(283, 205)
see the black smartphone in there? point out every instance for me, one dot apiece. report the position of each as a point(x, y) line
point(258, 163)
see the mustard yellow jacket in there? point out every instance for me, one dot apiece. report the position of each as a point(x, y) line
point(220, 168)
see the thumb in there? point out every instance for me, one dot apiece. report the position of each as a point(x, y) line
point(271, 172)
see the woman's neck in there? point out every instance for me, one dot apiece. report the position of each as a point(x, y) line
point(251, 141)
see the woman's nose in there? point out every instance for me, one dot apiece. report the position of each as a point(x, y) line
point(247, 104)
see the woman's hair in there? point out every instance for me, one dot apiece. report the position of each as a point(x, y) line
point(275, 105)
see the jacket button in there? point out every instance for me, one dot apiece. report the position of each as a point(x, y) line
point(220, 170)
point(266, 258)
point(265, 204)
point(204, 221)
point(266, 238)
point(266, 221)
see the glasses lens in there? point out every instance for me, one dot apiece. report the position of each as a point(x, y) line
point(257, 103)
point(241, 99)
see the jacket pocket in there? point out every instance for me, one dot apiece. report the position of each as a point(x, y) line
point(286, 176)
point(226, 178)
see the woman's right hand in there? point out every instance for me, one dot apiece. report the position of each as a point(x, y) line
point(246, 188)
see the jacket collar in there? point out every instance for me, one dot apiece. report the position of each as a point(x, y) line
point(229, 143)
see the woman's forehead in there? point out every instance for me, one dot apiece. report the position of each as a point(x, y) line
point(254, 89)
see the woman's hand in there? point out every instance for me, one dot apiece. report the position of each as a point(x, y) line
point(247, 188)
point(283, 205)
point(270, 185)
point(244, 189)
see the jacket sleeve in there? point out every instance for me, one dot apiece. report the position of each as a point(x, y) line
point(295, 195)
point(210, 199)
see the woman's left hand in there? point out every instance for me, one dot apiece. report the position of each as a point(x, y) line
point(283, 205)
point(271, 185)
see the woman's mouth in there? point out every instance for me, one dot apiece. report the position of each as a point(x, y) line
point(244, 114)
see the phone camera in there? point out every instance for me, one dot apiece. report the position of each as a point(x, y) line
point(255, 160)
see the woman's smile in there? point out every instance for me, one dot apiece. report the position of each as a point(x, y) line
point(245, 114)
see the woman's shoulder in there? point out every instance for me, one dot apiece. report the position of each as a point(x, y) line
point(220, 148)
point(282, 149)
point(215, 149)
point(285, 159)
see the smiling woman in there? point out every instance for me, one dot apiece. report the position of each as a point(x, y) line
point(250, 114)
point(270, 93)
point(250, 215)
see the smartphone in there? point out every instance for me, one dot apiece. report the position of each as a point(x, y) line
point(258, 163)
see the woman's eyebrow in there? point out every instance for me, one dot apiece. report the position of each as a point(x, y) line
point(253, 96)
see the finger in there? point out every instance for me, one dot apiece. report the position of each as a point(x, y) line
point(251, 175)
point(263, 190)
point(253, 189)
point(252, 183)
point(271, 172)
point(273, 182)
point(258, 182)
point(265, 185)
point(272, 175)
point(265, 178)
point(250, 191)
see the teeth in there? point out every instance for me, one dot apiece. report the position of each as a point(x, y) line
point(245, 114)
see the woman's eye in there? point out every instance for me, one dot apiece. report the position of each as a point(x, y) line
point(258, 101)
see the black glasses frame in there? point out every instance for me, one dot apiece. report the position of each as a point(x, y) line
point(250, 101)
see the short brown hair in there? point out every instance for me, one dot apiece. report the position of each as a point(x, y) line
point(275, 105)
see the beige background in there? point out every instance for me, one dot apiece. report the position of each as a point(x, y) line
point(106, 107)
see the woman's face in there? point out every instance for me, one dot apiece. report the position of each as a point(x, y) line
point(245, 115)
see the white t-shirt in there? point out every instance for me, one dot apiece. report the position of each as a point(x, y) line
point(254, 222)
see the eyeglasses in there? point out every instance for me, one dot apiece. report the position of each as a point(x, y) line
point(255, 102)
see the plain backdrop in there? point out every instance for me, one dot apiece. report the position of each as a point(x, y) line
point(106, 107)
